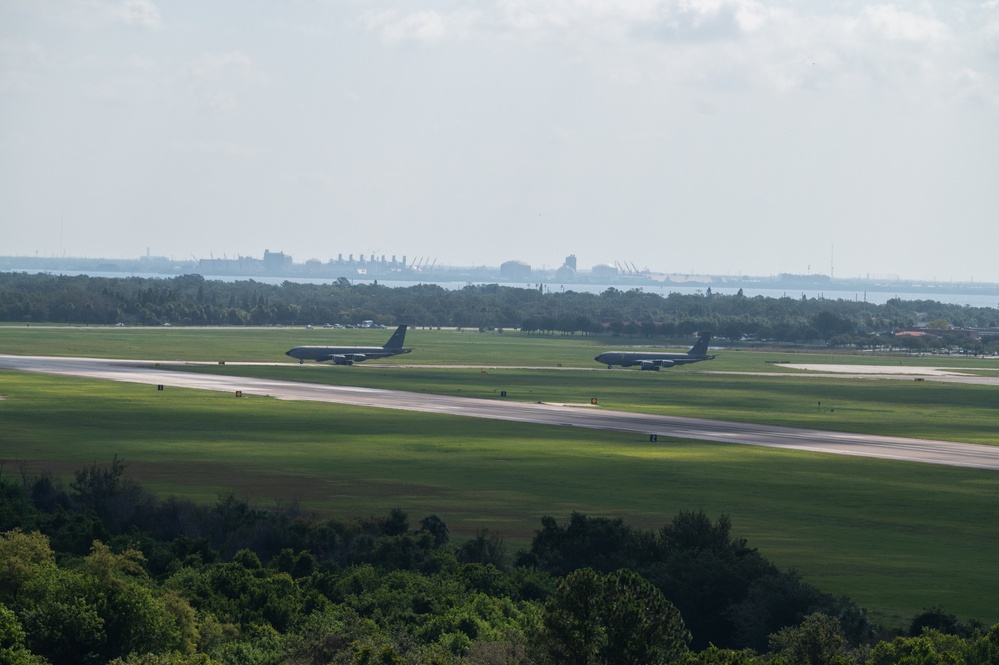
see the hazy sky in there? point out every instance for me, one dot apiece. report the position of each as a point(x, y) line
point(707, 136)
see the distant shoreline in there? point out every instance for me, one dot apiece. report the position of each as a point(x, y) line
point(876, 291)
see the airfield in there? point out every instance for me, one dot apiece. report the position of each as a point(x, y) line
point(896, 448)
point(163, 373)
point(885, 494)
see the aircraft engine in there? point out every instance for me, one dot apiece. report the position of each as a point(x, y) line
point(666, 363)
point(651, 365)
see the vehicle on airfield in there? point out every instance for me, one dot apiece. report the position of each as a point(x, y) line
point(348, 355)
point(655, 360)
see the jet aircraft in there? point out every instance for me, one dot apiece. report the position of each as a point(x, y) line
point(654, 360)
point(348, 355)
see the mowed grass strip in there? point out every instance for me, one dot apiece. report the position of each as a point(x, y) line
point(927, 410)
point(923, 409)
point(510, 348)
point(433, 347)
point(896, 537)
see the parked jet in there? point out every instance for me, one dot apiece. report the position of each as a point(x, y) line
point(348, 355)
point(654, 360)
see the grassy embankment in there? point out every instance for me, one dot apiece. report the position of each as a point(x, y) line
point(896, 537)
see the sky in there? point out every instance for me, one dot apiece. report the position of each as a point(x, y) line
point(726, 137)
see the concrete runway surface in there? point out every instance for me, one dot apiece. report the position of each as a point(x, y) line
point(841, 443)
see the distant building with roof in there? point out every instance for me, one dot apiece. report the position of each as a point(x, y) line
point(516, 270)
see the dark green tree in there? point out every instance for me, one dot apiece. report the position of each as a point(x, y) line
point(930, 648)
point(818, 640)
point(437, 528)
point(12, 647)
point(617, 619)
point(485, 547)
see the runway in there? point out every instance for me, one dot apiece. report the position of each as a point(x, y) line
point(840, 443)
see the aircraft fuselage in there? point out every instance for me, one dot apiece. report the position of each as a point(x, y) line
point(348, 355)
point(656, 360)
point(343, 355)
point(630, 359)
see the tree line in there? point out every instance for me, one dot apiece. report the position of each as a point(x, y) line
point(193, 300)
point(103, 571)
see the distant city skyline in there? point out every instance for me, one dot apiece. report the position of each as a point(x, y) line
point(427, 263)
point(552, 264)
point(716, 137)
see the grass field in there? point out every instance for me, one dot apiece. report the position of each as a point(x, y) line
point(952, 412)
point(431, 347)
point(896, 537)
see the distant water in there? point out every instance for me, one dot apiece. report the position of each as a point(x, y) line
point(874, 297)
point(879, 297)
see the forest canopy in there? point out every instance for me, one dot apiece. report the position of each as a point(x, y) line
point(104, 571)
point(193, 300)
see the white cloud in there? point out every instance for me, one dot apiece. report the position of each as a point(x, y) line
point(719, 42)
point(426, 27)
point(890, 23)
point(706, 20)
point(90, 14)
point(140, 63)
point(321, 179)
point(142, 13)
point(216, 79)
point(20, 52)
point(224, 148)
point(129, 89)
point(18, 59)
point(565, 21)
point(978, 87)
point(235, 67)
point(223, 101)
point(560, 135)
point(990, 34)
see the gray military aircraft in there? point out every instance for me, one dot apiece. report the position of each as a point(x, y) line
point(654, 360)
point(348, 355)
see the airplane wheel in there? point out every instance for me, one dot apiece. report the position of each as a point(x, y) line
point(301, 361)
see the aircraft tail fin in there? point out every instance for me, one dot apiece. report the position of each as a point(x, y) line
point(397, 339)
point(701, 347)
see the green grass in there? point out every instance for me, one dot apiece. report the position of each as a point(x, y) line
point(896, 537)
point(269, 344)
point(431, 347)
point(901, 407)
point(947, 411)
